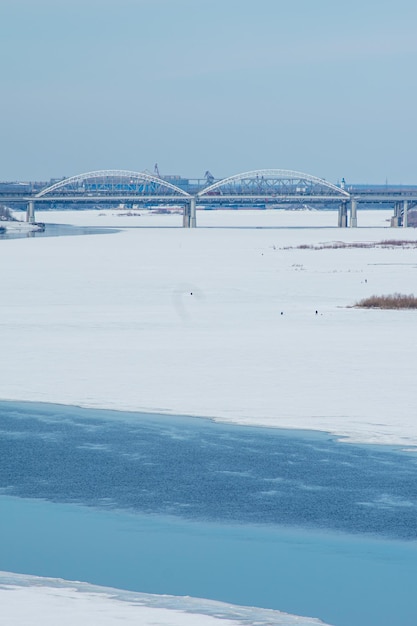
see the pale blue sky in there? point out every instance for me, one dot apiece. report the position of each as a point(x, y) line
point(321, 86)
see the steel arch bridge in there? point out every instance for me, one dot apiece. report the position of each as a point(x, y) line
point(112, 184)
point(266, 185)
point(274, 184)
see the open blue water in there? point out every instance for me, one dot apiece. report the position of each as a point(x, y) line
point(263, 517)
point(57, 230)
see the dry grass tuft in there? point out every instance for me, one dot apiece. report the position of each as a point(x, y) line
point(335, 245)
point(393, 301)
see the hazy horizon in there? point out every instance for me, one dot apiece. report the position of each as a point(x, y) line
point(226, 86)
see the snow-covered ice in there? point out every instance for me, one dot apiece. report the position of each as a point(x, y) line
point(19, 226)
point(48, 601)
point(189, 321)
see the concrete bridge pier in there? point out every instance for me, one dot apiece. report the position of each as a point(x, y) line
point(405, 213)
point(396, 218)
point(342, 216)
point(189, 219)
point(193, 213)
point(400, 217)
point(30, 212)
point(353, 213)
point(186, 216)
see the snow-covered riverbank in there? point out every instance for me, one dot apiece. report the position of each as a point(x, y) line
point(19, 226)
point(52, 601)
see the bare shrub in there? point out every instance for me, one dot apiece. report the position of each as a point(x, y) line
point(393, 301)
point(335, 245)
point(397, 243)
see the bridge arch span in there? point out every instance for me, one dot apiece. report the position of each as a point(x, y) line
point(274, 183)
point(114, 182)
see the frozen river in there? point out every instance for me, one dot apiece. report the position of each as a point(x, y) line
point(158, 319)
point(183, 506)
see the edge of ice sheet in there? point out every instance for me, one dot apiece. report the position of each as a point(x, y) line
point(67, 601)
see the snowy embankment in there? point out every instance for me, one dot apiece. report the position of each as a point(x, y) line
point(55, 601)
point(216, 322)
point(19, 226)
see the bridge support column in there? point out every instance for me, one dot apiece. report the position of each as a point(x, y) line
point(186, 216)
point(189, 219)
point(193, 216)
point(396, 219)
point(353, 213)
point(30, 212)
point(342, 216)
point(405, 213)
